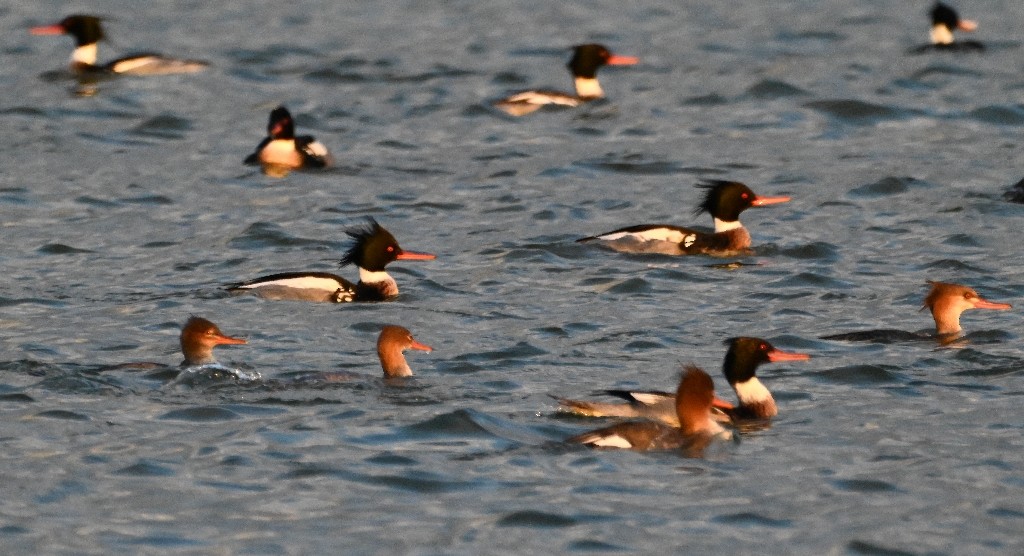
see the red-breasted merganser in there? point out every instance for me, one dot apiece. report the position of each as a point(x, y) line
point(586, 60)
point(373, 249)
point(946, 302)
point(198, 338)
point(87, 31)
point(394, 340)
point(391, 343)
point(725, 200)
point(281, 150)
point(740, 369)
point(697, 429)
point(945, 20)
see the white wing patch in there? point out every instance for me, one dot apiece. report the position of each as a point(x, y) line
point(647, 398)
point(537, 97)
point(302, 282)
point(654, 234)
point(611, 441)
point(689, 239)
point(316, 148)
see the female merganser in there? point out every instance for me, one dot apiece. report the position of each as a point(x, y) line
point(281, 150)
point(945, 20)
point(394, 340)
point(745, 355)
point(725, 201)
point(391, 343)
point(696, 429)
point(87, 31)
point(373, 249)
point(586, 60)
point(946, 302)
point(198, 338)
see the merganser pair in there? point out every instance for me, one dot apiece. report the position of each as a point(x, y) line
point(725, 200)
point(945, 20)
point(586, 60)
point(87, 31)
point(946, 301)
point(374, 248)
point(282, 151)
point(744, 356)
point(695, 432)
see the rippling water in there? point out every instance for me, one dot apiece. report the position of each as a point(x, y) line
point(126, 210)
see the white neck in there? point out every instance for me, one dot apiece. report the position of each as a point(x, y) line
point(941, 34)
point(752, 391)
point(723, 226)
point(85, 54)
point(371, 277)
point(588, 87)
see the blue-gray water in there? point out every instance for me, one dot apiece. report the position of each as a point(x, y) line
point(125, 211)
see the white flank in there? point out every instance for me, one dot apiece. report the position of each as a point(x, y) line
point(613, 441)
point(941, 34)
point(588, 87)
point(752, 391)
point(303, 282)
point(654, 234)
point(85, 54)
point(723, 226)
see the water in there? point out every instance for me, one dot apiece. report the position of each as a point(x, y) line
point(125, 211)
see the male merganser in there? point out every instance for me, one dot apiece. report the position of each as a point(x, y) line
point(198, 338)
point(946, 302)
point(945, 20)
point(281, 150)
point(87, 31)
point(740, 369)
point(696, 429)
point(586, 60)
point(725, 200)
point(373, 249)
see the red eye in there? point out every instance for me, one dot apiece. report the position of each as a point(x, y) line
point(744, 195)
point(391, 248)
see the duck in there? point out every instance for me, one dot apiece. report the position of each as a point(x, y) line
point(724, 201)
point(695, 432)
point(391, 345)
point(744, 356)
point(586, 60)
point(392, 342)
point(282, 151)
point(945, 20)
point(372, 250)
point(87, 31)
point(198, 338)
point(946, 301)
